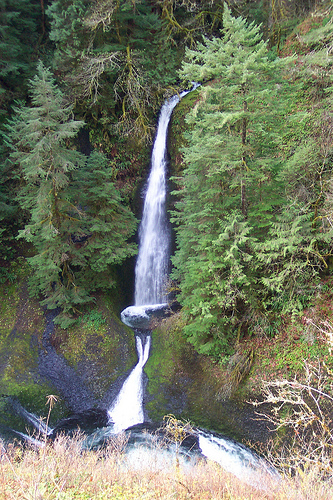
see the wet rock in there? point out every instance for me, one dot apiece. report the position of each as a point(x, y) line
point(86, 421)
point(141, 316)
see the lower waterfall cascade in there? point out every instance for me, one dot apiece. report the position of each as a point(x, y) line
point(127, 409)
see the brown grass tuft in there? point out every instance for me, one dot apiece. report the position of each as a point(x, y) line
point(62, 470)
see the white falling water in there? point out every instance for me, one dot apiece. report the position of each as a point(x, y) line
point(127, 409)
point(37, 422)
point(150, 272)
point(238, 460)
point(150, 276)
point(154, 235)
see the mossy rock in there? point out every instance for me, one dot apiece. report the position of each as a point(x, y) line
point(98, 349)
point(189, 385)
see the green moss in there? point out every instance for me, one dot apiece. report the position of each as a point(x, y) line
point(185, 383)
point(33, 397)
point(8, 307)
point(21, 325)
point(99, 345)
point(75, 343)
point(161, 368)
point(16, 309)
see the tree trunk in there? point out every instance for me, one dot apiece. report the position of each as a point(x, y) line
point(243, 185)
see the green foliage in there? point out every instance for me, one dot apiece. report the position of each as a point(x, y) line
point(298, 248)
point(71, 217)
point(292, 355)
point(19, 41)
point(119, 58)
point(289, 261)
point(222, 213)
point(94, 319)
point(213, 284)
point(114, 58)
point(254, 214)
point(106, 226)
point(37, 136)
point(6, 275)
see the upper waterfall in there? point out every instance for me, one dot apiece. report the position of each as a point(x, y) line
point(154, 233)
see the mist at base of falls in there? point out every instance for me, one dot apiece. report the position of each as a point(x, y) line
point(148, 446)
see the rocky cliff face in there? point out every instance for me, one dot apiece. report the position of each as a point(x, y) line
point(84, 365)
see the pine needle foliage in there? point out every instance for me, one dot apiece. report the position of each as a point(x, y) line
point(298, 248)
point(19, 42)
point(254, 209)
point(107, 223)
point(69, 228)
point(232, 162)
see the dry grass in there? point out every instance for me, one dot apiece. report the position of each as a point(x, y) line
point(63, 471)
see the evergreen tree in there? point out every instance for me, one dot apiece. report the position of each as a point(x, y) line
point(9, 220)
point(112, 55)
point(107, 223)
point(38, 136)
point(298, 246)
point(231, 171)
point(59, 224)
point(120, 58)
point(19, 40)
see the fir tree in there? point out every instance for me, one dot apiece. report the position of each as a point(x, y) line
point(19, 40)
point(38, 136)
point(109, 54)
point(119, 58)
point(107, 224)
point(298, 247)
point(232, 162)
point(72, 231)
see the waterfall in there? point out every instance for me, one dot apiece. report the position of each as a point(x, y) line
point(152, 264)
point(127, 409)
point(150, 277)
point(150, 273)
point(150, 297)
point(154, 233)
point(237, 459)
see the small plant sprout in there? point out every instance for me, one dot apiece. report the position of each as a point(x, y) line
point(176, 432)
